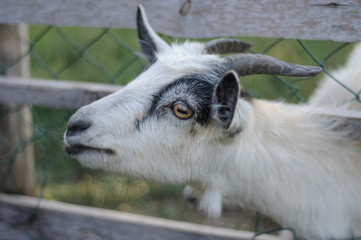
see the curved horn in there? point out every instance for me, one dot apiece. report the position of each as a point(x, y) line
point(223, 45)
point(248, 64)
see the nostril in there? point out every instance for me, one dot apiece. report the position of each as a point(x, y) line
point(77, 127)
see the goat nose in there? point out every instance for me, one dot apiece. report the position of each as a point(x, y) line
point(77, 127)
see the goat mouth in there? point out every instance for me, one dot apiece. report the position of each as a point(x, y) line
point(75, 150)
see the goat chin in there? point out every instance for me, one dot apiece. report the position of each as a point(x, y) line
point(186, 119)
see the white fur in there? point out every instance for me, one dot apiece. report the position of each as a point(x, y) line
point(350, 76)
point(289, 163)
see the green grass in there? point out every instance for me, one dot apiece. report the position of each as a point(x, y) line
point(71, 54)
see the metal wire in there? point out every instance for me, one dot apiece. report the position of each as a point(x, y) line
point(45, 137)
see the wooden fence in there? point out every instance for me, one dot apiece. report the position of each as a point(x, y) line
point(299, 19)
point(337, 20)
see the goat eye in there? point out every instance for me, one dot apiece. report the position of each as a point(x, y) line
point(182, 111)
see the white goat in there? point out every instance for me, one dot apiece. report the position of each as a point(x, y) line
point(186, 119)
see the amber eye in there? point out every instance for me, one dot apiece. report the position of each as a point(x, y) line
point(182, 111)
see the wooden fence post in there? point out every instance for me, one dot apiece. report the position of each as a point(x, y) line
point(16, 159)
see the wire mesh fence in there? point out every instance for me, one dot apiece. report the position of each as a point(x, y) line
point(112, 56)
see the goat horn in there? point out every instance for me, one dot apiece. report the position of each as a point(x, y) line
point(223, 45)
point(248, 64)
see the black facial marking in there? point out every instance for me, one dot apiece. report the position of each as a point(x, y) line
point(196, 90)
point(245, 95)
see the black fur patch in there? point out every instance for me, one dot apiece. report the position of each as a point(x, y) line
point(245, 95)
point(226, 97)
point(195, 90)
point(146, 42)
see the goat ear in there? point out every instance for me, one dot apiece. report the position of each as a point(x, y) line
point(149, 41)
point(225, 99)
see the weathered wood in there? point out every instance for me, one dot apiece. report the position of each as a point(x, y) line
point(16, 157)
point(65, 94)
point(50, 93)
point(338, 20)
point(349, 120)
point(52, 218)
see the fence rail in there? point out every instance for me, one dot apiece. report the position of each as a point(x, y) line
point(52, 93)
point(299, 19)
point(72, 95)
point(115, 224)
point(302, 19)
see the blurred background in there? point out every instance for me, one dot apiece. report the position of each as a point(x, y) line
point(112, 56)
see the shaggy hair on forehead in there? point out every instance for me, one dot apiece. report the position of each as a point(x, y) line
point(186, 119)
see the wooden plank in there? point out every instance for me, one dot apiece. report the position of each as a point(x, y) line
point(342, 113)
point(51, 93)
point(83, 222)
point(338, 20)
point(17, 165)
point(66, 94)
point(348, 120)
